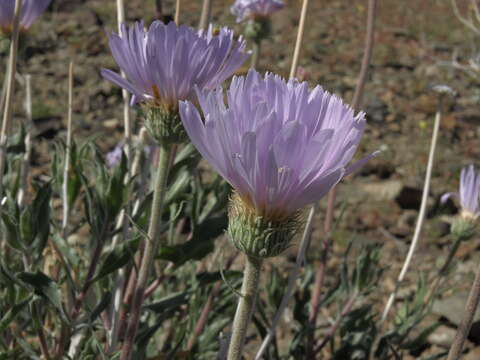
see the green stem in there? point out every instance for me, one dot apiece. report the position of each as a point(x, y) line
point(151, 244)
point(257, 46)
point(251, 277)
point(444, 269)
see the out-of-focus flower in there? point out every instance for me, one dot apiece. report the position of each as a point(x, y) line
point(114, 157)
point(165, 62)
point(31, 10)
point(443, 90)
point(468, 194)
point(251, 9)
point(279, 144)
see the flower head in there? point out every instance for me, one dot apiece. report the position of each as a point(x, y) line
point(31, 10)
point(468, 194)
point(165, 62)
point(279, 144)
point(244, 9)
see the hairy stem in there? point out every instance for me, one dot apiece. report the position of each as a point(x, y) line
point(442, 272)
point(151, 244)
point(304, 244)
point(251, 278)
point(464, 327)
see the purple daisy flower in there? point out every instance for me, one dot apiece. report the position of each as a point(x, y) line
point(244, 9)
point(31, 10)
point(281, 145)
point(162, 64)
point(468, 194)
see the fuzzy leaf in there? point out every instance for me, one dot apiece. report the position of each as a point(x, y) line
point(117, 258)
point(102, 305)
point(169, 302)
point(41, 216)
point(44, 287)
point(27, 231)
point(199, 246)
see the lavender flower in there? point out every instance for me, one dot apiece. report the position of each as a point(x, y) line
point(279, 144)
point(31, 10)
point(165, 62)
point(244, 9)
point(468, 194)
point(114, 157)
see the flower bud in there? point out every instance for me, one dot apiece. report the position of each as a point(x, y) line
point(164, 125)
point(257, 235)
point(463, 227)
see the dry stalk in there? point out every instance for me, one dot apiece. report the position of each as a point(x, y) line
point(11, 71)
point(421, 214)
point(66, 169)
point(205, 16)
point(22, 193)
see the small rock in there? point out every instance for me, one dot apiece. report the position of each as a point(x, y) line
point(111, 123)
point(383, 190)
point(443, 336)
point(453, 307)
